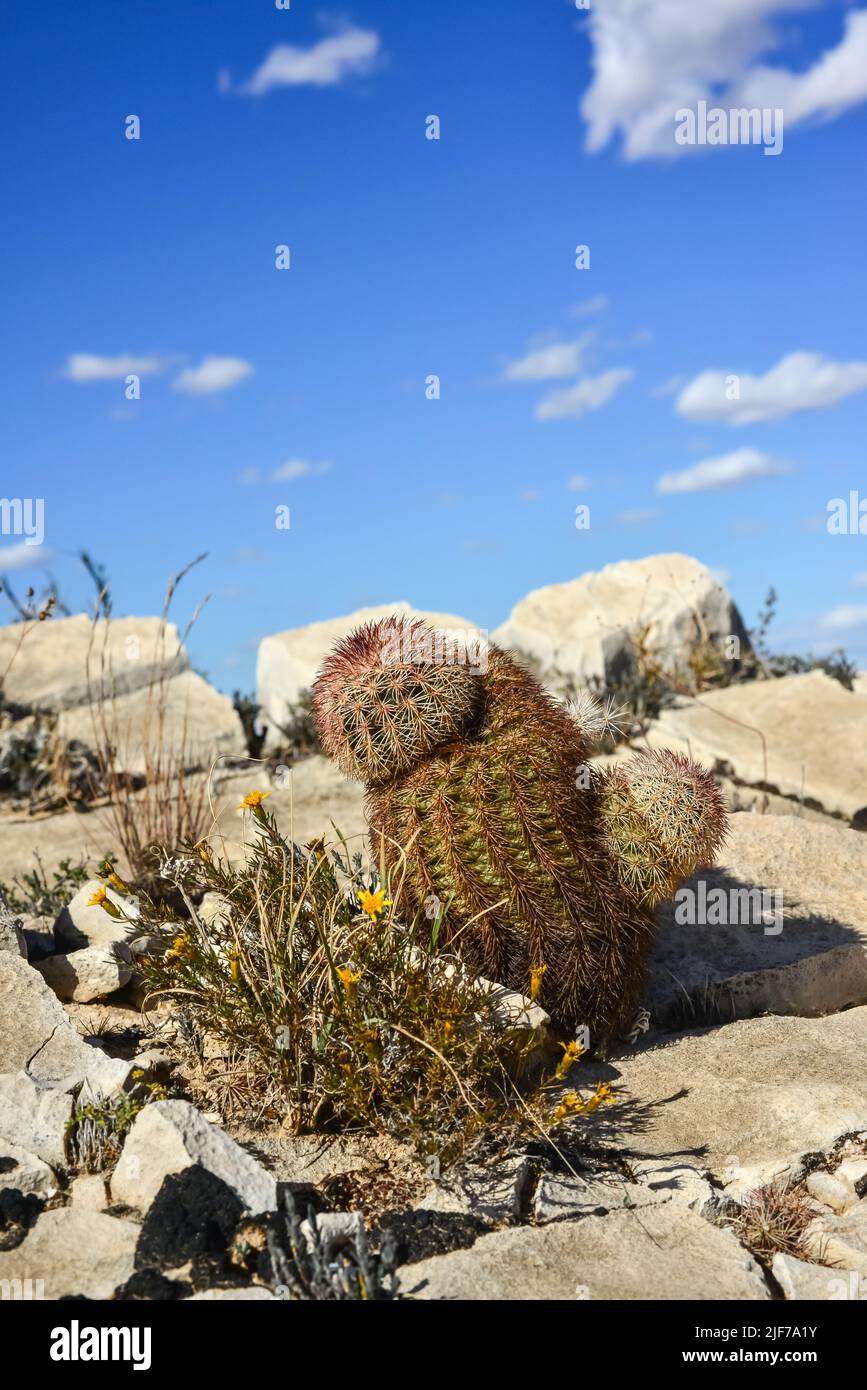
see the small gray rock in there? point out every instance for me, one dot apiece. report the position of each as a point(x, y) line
point(25, 1171)
point(93, 973)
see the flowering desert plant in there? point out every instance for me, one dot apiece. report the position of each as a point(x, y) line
point(552, 867)
point(330, 1009)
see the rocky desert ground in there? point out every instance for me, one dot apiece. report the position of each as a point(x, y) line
point(733, 1162)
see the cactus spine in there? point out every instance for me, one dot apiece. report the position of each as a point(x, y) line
point(550, 870)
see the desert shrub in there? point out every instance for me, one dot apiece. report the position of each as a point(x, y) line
point(34, 894)
point(168, 803)
point(96, 1129)
point(307, 1269)
point(330, 1011)
point(773, 1220)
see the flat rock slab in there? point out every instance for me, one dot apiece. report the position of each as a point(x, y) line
point(809, 957)
point(660, 1252)
point(71, 1252)
point(814, 730)
point(745, 1101)
point(51, 668)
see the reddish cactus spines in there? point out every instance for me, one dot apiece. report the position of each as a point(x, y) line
point(382, 702)
point(660, 815)
point(548, 874)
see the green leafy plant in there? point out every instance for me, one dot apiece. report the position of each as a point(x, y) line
point(330, 1009)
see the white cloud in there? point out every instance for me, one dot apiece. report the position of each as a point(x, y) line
point(589, 393)
point(298, 468)
point(847, 616)
point(638, 516)
point(23, 557)
point(727, 471)
point(552, 360)
point(800, 381)
point(651, 59)
point(88, 366)
point(324, 64)
point(596, 305)
point(860, 580)
point(213, 374)
point(248, 477)
point(530, 494)
point(668, 387)
point(578, 483)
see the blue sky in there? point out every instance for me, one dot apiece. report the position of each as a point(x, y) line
point(306, 388)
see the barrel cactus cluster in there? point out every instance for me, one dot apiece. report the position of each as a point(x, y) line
point(549, 867)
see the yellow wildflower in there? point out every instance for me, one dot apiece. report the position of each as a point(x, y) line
point(316, 846)
point(348, 978)
point(118, 883)
point(179, 949)
point(101, 899)
point(572, 1051)
point(253, 801)
point(570, 1104)
point(374, 903)
point(233, 956)
point(536, 973)
point(203, 851)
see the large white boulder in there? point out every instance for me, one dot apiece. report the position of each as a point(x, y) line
point(289, 661)
point(590, 628)
point(185, 722)
point(59, 663)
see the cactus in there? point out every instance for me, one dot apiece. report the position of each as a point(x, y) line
point(550, 869)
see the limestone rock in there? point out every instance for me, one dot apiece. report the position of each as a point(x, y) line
point(51, 670)
point(169, 1136)
point(841, 1240)
point(70, 1251)
point(195, 725)
point(89, 1192)
point(12, 933)
point(800, 1280)
point(662, 1252)
point(33, 1118)
point(750, 1098)
point(289, 661)
point(79, 925)
point(810, 957)
point(813, 731)
point(831, 1191)
point(37, 1036)
point(589, 628)
point(93, 973)
point(25, 1171)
